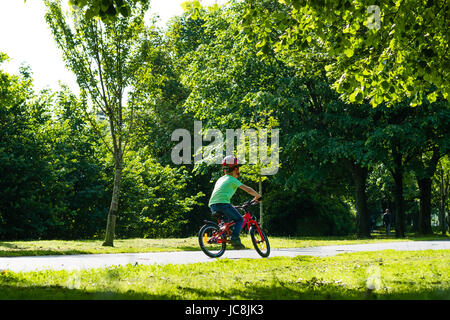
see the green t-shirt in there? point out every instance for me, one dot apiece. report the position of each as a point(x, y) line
point(224, 189)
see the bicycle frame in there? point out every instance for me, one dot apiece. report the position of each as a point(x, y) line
point(249, 220)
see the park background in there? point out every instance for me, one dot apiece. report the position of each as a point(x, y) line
point(342, 159)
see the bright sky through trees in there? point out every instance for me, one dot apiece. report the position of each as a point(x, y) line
point(26, 38)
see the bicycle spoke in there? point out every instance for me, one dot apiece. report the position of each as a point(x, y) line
point(261, 246)
point(208, 239)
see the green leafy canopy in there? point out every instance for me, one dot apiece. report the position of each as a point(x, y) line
point(379, 52)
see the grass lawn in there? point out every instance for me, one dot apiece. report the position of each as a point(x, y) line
point(371, 275)
point(62, 247)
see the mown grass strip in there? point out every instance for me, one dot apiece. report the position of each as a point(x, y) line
point(385, 274)
point(62, 247)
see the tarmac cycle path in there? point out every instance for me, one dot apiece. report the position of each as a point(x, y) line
point(88, 261)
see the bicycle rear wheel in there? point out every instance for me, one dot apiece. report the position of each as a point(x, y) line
point(261, 246)
point(208, 241)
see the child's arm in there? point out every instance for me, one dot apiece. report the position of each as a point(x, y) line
point(250, 190)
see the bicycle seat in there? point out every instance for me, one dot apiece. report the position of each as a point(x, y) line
point(217, 215)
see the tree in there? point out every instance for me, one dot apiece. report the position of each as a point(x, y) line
point(383, 51)
point(442, 180)
point(25, 205)
point(80, 193)
point(394, 141)
point(260, 52)
point(231, 86)
point(425, 167)
point(158, 201)
point(108, 59)
point(228, 83)
point(431, 123)
point(107, 10)
point(332, 134)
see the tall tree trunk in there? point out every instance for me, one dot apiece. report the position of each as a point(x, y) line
point(444, 185)
point(399, 207)
point(397, 174)
point(425, 206)
point(444, 205)
point(442, 220)
point(359, 175)
point(415, 221)
point(112, 214)
point(425, 170)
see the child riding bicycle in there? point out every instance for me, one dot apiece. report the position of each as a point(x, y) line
point(224, 189)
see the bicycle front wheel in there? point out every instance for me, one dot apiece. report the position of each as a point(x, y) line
point(260, 241)
point(208, 241)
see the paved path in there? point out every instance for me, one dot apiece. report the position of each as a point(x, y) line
point(86, 261)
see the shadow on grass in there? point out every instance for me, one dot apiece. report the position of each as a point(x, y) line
point(188, 248)
point(15, 250)
point(314, 291)
point(38, 252)
point(275, 291)
point(64, 293)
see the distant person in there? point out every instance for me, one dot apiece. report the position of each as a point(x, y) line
point(387, 221)
point(372, 222)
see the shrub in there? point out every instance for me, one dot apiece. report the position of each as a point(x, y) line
point(304, 213)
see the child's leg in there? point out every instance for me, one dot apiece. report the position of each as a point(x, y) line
point(233, 214)
point(230, 213)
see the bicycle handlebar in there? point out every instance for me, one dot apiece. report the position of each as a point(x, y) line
point(248, 203)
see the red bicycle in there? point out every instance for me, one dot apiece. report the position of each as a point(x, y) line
point(213, 237)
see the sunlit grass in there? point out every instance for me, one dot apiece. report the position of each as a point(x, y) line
point(373, 275)
point(62, 247)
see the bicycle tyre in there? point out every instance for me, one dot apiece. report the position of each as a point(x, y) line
point(210, 250)
point(264, 250)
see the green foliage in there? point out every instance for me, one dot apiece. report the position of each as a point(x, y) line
point(382, 54)
point(229, 86)
point(79, 189)
point(110, 61)
point(239, 78)
point(24, 200)
point(51, 182)
point(306, 213)
point(157, 201)
point(56, 174)
point(313, 70)
point(107, 59)
point(106, 10)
